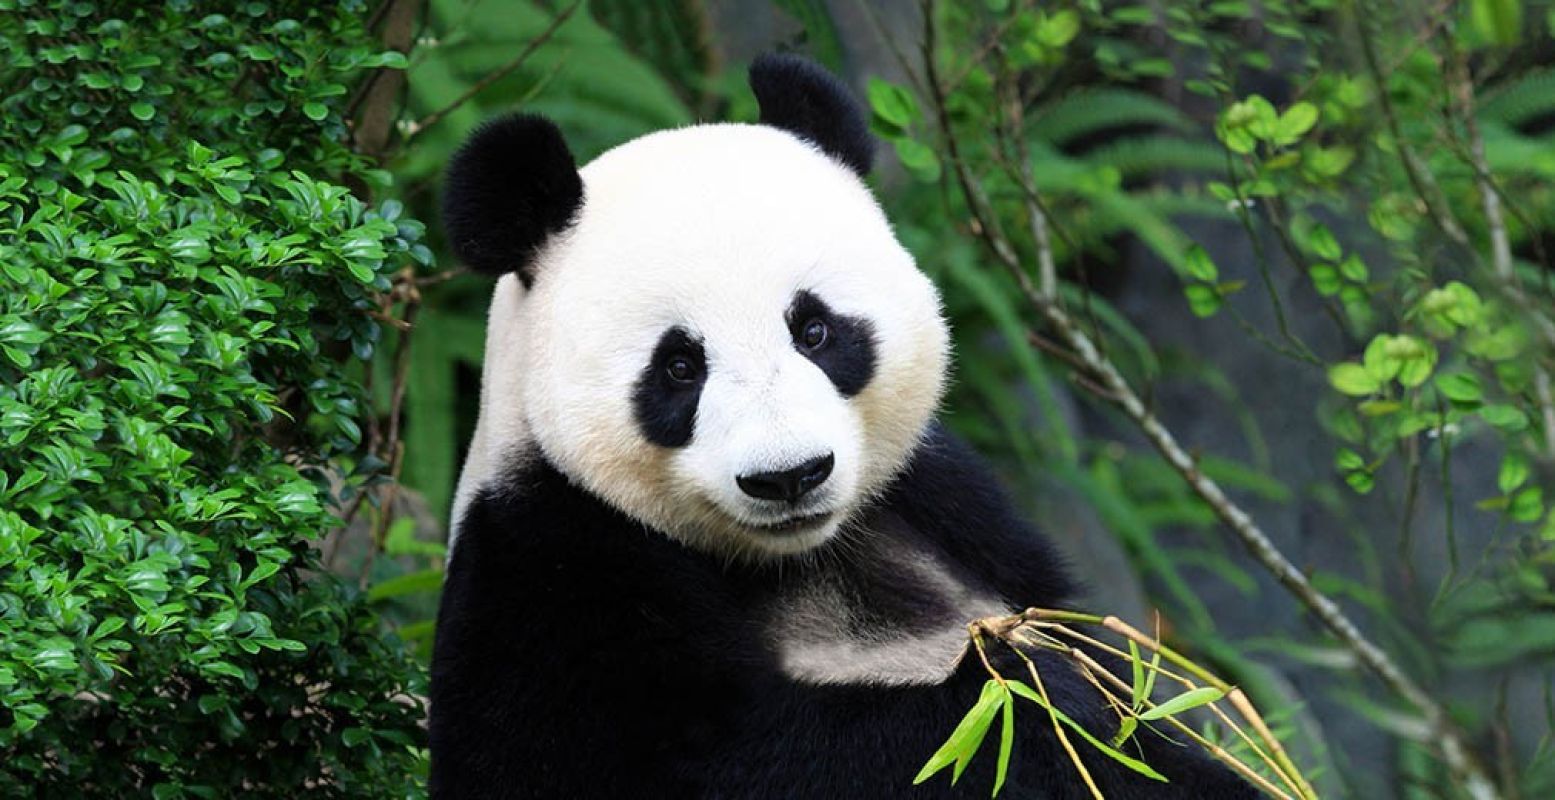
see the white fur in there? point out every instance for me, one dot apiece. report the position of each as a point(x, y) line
point(824, 634)
point(499, 433)
point(713, 228)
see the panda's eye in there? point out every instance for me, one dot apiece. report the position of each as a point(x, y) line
point(681, 369)
point(815, 334)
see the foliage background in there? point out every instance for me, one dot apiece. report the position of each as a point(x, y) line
point(1271, 215)
point(183, 281)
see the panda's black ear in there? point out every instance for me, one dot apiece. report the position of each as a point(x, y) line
point(508, 189)
point(800, 97)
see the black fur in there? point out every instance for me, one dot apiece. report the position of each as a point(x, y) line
point(802, 98)
point(508, 189)
point(666, 409)
point(848, 356)
point(579, 654)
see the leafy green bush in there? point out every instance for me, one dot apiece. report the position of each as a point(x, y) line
point(183, 287)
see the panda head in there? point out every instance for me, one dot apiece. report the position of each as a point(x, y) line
point(712, 328)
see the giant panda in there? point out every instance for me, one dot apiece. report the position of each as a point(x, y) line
point(709, 541)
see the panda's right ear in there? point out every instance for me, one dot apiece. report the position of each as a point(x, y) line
point(508, 189)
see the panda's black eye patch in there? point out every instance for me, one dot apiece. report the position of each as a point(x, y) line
point(669, 388)
point(842, 346)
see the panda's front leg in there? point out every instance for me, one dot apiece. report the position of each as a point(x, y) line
point(572, 652)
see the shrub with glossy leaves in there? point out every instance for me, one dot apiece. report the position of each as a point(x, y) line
point(183, 288)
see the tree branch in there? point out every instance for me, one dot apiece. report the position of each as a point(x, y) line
point(1449, 738)
point(495, 75)
point(380, 97)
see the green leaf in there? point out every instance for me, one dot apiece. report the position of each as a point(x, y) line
point(1509, 419)
point(1497, 21)
point(1199, 266)
point(1203, 300)
point(1382, 359)
point(1353, 379)
point(1059, 29)
point(1295, 122)
point(1126, 728)
point(1527, 505)
point(1323, 243)
point(421, 581)
point(393, 59)
point(1416, 370)
point(1325, 279)
point(919, 159)
point(18, 357)
point(1379, 408)
point(1460, 387)
point(892, 104)
point(997, 695)
point(1354, 269)
point(1006, 742)
point(361, 272)
point(1513, 473)
point(142, 111)
point(262, 570)
point(1108, 750)
point(1152, 673)
point(401, 540)
point(315, 111)
point(968, 735)
point(31, 476)
point(1186, 701)
point(1328, 162)
point(1136, 665)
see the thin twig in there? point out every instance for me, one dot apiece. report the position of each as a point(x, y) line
point(1419, 176)
point(439, 277)
point(1036, 214)
point(393, 447)
point(1261, 258)
point(902, 61)
point(1462, 92)
point(495, 75)
point(1058, 727)
point(1411, 447)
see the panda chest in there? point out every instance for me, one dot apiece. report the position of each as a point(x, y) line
point(877, 611)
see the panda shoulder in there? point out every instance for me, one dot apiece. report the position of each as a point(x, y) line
point(950, 495)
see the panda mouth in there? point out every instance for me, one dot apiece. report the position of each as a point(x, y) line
point(791, 524)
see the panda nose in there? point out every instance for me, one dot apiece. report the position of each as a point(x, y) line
point(788, 484)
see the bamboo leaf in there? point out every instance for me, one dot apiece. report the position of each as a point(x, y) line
point(1108, 750)
point(1186, 701)
point(1006, 742)
point(993, 696)
point(1150, 674)
point(1137, 664)
point(967, 736)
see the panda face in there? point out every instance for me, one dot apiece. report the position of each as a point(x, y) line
point(728, 344)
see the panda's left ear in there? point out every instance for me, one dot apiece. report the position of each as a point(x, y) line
point(800, 97)
point(510, 188)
